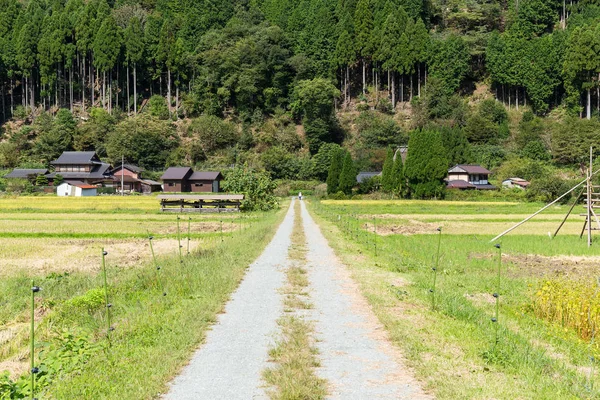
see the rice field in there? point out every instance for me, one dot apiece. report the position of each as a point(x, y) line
point(547, 346)
point(160, 307)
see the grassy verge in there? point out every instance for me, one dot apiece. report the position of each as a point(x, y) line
point(154, 334)
point(295, 354)
point(453, 349)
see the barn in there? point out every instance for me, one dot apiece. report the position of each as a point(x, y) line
point(76, 189)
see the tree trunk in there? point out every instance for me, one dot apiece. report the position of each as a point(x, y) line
point(389, 83)
point(12, 98)
point(524, 98)
point(177, 97)
point(83, 86)
point(128, 102)
point(564, 15)
point(517, 98)
point(402, 89)
point(169, 90)
point(134, 89)
point(71, 87)
point(117, 90)
point(92, 82)
point(364, 73)
point(110, 92)
point(104, 89)
point(509, 97)
point(31, 94)
point(393, 91)
point(411, 87)
point(589, 104)
point(376, 87)
point(419, 79)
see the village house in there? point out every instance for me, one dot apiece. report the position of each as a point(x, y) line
point(515, 183)
point(131, 178)
point(81, 166)
point(30, 174)
point(184, 179)
point(205, 181)
point(362, 176)
point(466, 176)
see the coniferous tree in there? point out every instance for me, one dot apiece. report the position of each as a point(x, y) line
point(398, 179)
point(426, 164)
point(335, 169)
point(387, 177)
point(134, 45)
point(363, 22)
point(348, 175)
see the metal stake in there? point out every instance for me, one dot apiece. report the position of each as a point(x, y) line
point(437, 262)
point(34, 370)
point(106, 303)
point(497, 294)
point(189, 237)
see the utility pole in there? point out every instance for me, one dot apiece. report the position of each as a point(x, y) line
point(122, 173)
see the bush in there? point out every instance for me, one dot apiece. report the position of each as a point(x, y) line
point(493, 111)
point(212, 133)
point(369, 185)
point(157, 107)
point(257, 188)
point(547, 189)
point(378, 130)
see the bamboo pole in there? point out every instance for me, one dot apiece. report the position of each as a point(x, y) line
point(569, 213)
point(542, 209)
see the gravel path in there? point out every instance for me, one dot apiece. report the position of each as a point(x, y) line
point(356, 356)
point(230, 363)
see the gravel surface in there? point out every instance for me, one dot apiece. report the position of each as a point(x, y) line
point(357, 359)
point(230, 363)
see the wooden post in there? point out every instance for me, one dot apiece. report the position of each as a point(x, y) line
point(589, 201)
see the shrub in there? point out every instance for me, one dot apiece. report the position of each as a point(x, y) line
point(493, 111)
point(257, 188)
point(91, 301)
point(547, 189)
point(157, 107)
point(369, 185)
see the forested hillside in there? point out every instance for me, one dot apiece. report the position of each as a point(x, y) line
point(509, 84)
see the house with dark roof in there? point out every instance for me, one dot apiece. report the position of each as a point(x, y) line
point(23, 173)
point(176, 179)
point(205, 181)
point(468, 176)
point(184, 179)
point(81, 166)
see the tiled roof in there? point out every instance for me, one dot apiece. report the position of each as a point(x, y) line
point(77, 157)
point(25, 173)
point(366, 175)
point(459, 184)
point(205, 176)
point(472, 169)
point(176, 173)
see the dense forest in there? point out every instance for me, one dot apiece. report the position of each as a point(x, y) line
point(281, 84)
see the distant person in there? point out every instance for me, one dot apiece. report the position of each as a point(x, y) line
point(299, 195)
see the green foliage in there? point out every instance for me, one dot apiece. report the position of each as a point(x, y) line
point(492, 110)
point(426, 164)
point(458, 149)
point(449, 62)
point(535, 150)
point(387, 177)
point(335, 169)
point(212, 133)
point(369, 185)
point(398, 178)
point(547, 189)
point(256, 187)
point(41, 180)
point(145, 141)
point(91, 301)
point(488, 156)
point(377, 130)
point(572, 139)
point(322, 160)
point(347, 175)
point(58, 179)
point(157, 107)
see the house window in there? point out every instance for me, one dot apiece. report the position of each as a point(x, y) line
point(198, 184)
point(171, 184)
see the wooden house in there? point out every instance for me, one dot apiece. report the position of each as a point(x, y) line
point(467, 176)
point(176, 179)
point(205, 181)
point(29, 174)
point(81, 166)
point(130, 176)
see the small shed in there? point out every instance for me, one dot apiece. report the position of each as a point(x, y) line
point(515, 183)
point(205, 181)
point(76, 189)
